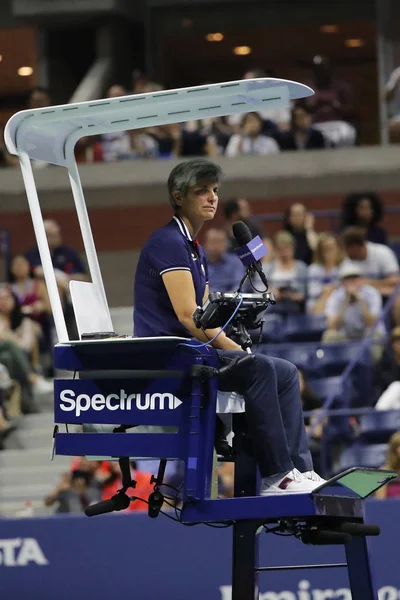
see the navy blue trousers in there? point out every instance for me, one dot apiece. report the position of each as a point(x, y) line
point(274, 413)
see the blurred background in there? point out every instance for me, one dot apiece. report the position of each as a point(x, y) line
point(319, 181)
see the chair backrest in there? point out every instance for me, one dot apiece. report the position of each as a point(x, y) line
point(91, 314)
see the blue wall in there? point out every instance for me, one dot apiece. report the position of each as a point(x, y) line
point(65, 558)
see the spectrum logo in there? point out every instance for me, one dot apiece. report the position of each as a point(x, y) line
point(69, 401)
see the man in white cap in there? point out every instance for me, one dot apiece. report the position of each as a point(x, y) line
point(353, 307)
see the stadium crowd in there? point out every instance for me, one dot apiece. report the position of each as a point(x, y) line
point(340, 280)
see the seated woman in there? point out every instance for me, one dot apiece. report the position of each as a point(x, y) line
point(323, 273)
point(251, 139)
point(365, 210)
point(17, 349)
point(32, 296)
point(286, 275)
point(16, 327)
point(392, 464)
point(301, 136)
point(300, 224)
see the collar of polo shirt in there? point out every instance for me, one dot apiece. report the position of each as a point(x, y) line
point(183, 229)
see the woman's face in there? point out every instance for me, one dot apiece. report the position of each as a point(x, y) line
point(329, 250)
point(364, 210)
point(297, 215)
point(201, 201)
point(285, 250)
point(251, 125)
point(20, 267)
point(7, 301)
point(301, 119)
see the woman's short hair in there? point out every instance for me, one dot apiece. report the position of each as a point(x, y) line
point(188, 173)
point(318, 257)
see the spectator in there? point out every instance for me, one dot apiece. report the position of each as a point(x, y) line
point(365, 210)
point(387, 375)
point(239, 210)
point(353, 308)
point(301, 136)
point(286, 275)
point(116, 145)
point(323, 273)
point(66, 261)
point(392, 490)
point(392, 95)
point(193, 141)
point(225, 270)
point(332, 104)
point(16, 327)
point(250, 140)
point(67, 266)
point(377, 262)
point(77, 490)
point(168, 139)
point(31, 293)
point(300, 224)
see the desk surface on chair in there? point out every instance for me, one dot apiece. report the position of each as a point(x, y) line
point(126, 352)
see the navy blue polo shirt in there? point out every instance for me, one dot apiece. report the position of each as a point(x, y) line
point(64, 258)
point(170, 248)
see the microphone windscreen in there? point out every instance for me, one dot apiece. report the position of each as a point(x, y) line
point(241, 233)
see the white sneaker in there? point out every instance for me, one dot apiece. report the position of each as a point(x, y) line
point(293, 482)
point(43, 386)
point(313, 476)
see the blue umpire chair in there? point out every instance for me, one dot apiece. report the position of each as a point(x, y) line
point(120, 383)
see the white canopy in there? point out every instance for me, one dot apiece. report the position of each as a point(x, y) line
point(50, 134)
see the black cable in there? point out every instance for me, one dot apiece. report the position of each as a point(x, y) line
point(254, 287)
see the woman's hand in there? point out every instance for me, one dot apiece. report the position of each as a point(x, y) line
point(309, 221)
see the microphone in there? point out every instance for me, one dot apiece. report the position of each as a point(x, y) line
point(250, 249)
point(156, 500)
point(118, 502)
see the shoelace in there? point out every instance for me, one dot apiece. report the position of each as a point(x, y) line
point(296, 476)
point(312, 475)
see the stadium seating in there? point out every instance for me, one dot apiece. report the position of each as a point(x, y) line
point(379, 426)
point(372, 455)
point(331, 387)
point(298, 354)
point(304, 328)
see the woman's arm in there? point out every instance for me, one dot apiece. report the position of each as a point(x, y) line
point(319, 307)
point(181, 292)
